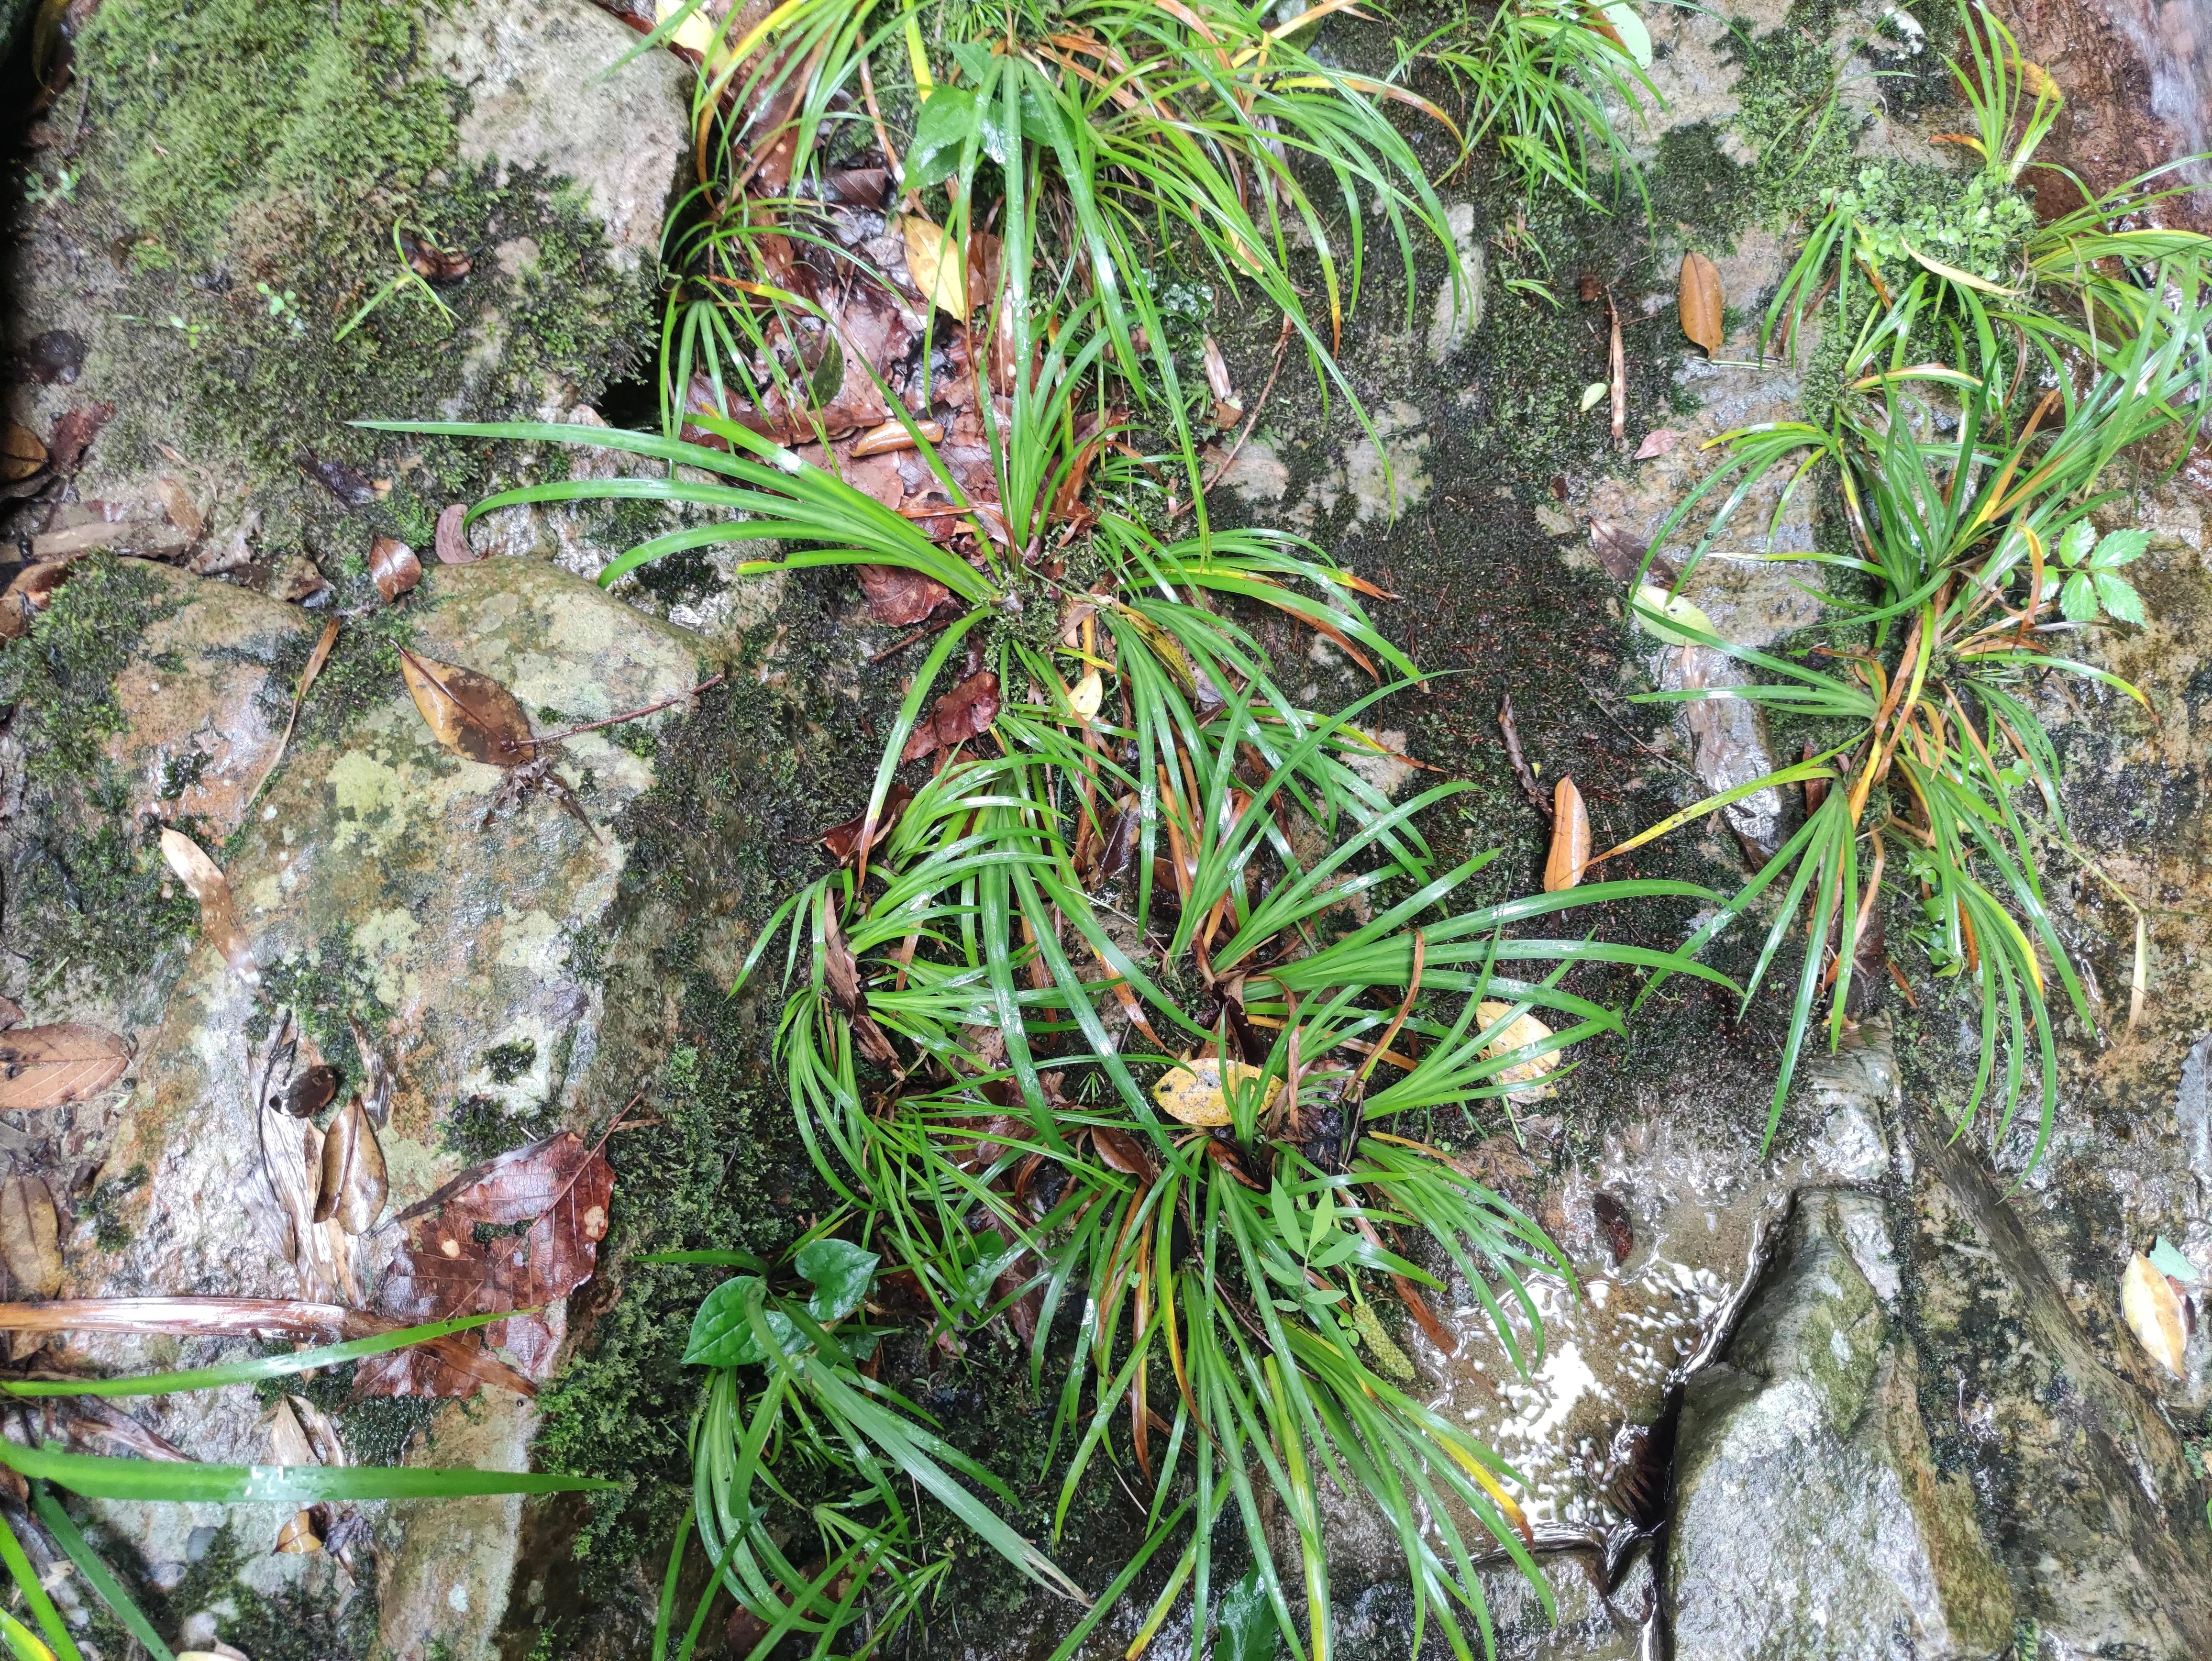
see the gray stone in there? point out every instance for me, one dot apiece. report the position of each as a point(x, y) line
point(1811, 1521)
point(538, 97)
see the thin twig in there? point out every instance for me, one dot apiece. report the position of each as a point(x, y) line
point(635, 714)
point(1520, 769)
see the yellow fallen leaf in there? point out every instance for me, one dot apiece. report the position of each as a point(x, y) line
point(1523, 1030)
point(938, 269)
point(1085, 699)
point(2154, 1314)
point(2037, 80)
point(695, 34)
point(1192, 1094)
point(1655, 612)
point(1570, 838)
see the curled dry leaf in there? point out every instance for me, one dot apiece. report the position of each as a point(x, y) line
point(298, 1535)
point(843, 841)
point(1228, 408)
point(316, 660)
point(451, 543)
point(1194, 1092)
point(177, 504)
point(352, 1187)
point(1698, 300)
point(2155, 1315)
point(1525, 1077)
point(54, 1066)
point(963, 713)
point(392, 564)
point(1570, 838)
point(74, 433)
point(205, 882)
point(939, 272)
point(893, 436)
point(30, 1238)
point(472, 714)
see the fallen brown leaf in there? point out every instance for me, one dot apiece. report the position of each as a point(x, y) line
point(451, 543)
point(1522, 770)
point(30, 1238)
point(316, 660)
point(196, 1317)
point(1614, 1224)
point(892, 436)
point(472, 714)
point(354, 489)
point(205, 882)
point(1659, 442)
point(965, 711)
point(73, 434)
point(431, 261)
point(54, 1066)
point(353, 1186)
point(899, 596)
point(29, 594)
point(180, 508)
point(2154, 1314)
point(1570, 837)
point(1698, 300)
point(843, 841)
point(392, 564)
point(548, 1203)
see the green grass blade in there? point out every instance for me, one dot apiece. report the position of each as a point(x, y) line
point(64, 1528)
point(101, 1477)
point(254, 1372)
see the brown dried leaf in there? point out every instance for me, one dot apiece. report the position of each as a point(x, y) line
point(30, 593)
point(1570, 838)
point(177, 504)
point(288, 1439)
point(30, 1237)
point(963, 713)
point(1117, 1150)
point(561, 1188)
point(196, 1317)
point(431, 261)
point(843, 841)
point(392, 564)
point(1659, 442)
point(899, 596)
point(353, 1186)
point(218, 917)
point(11, 1012)
point(298, 1535)
point(74, 433)
point(54, 1066)
point(1614, 1224)
point(935, 265)
point(892, 436)
point(354, 489)
point(451, 543)
point(1699, 298)
point(472, 714)
point(21, 454)
point(376, 1076)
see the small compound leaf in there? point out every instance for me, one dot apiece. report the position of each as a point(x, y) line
point(2154, 1314)
point(204, 881)
point(841, 1273)
point(1698, 299)
point(54, 1066)
point(472, 714)
point(2119, 548)
point(392, 564)
point(939, 270)
point(1570, 838)
point(2078, 598)
point(30, 1240)
point(2120, 598)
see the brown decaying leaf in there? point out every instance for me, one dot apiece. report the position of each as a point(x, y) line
point(30, 1238)
point(472, 714)
point(1659, 442)
point(73, 434)
point(298, 1535)
point(2154, 1314)
point(899, 596)
point(968, 709)
point(451, 543)
point(841, 974)
point(376, 1076)
point(1613, 1223)
point(28, 595)
point(392, 564)
point(429, 260)
point(21, 454)
point(11, 1012)
point(935, 265)
point(205, 882)
point(54, 1066)
point(316, 660)
point(892, 436)
point(180, 508)
point(288, 1439)
point(1570, 838)
point(352, 488)
point(843, 841)
point(1698, 299)
point(353, 1186)
point(561, 1188)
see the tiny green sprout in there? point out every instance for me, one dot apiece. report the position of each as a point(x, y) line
point(285, 305)
point(2086, 583)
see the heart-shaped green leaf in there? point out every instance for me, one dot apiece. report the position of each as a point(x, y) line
point(841, 1273)
point(722, 1331)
